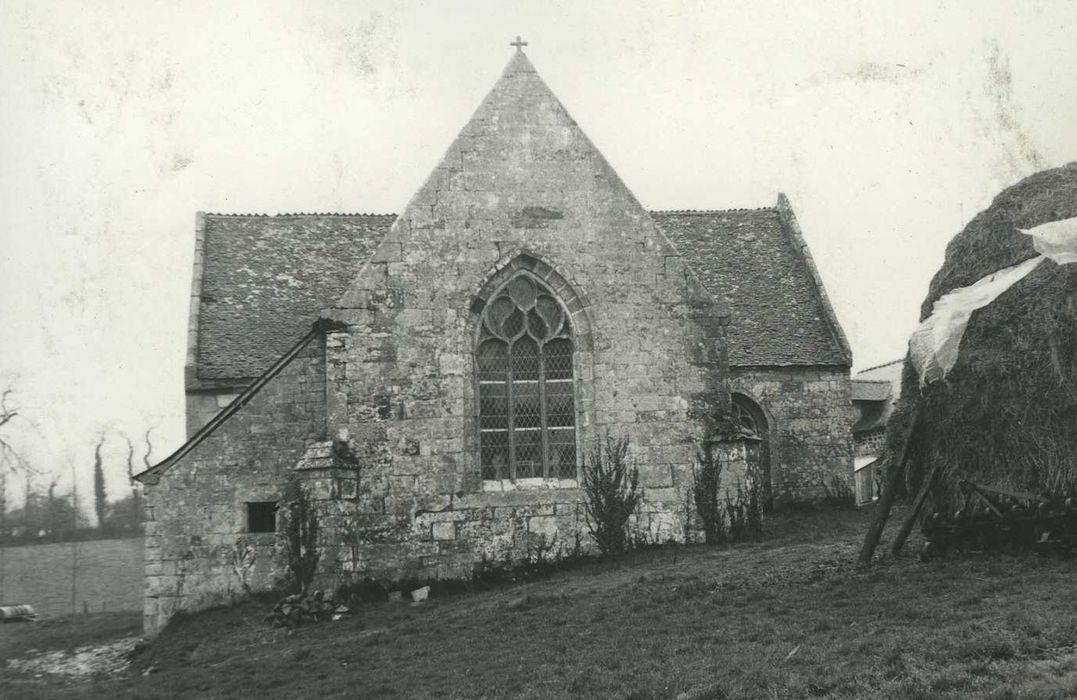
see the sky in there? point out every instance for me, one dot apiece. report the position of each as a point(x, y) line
point(888, 125)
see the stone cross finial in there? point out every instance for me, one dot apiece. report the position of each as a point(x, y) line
point(519, 44)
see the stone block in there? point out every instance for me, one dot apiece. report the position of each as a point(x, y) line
point(545, 526)
point(443, 531)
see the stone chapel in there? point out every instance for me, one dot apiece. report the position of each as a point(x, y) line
point(437, 378)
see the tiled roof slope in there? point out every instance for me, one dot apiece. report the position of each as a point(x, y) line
point(265, 278)
point(779, 315)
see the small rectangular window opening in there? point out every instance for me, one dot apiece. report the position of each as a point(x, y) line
point(262, 516)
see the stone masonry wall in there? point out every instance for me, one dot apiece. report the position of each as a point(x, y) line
point(453, 535)
point(521, 191)
point(870, 443)
point(810, 416)
point(195, 515)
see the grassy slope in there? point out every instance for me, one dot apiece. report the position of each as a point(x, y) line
point(715, 623)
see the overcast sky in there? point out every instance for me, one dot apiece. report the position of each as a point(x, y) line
point(888, 126)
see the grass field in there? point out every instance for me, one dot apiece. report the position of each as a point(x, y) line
point(787, 617)
point(107, 576)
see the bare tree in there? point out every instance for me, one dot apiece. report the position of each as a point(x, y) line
point(100, 498)
point(130, 456)
point(136, 491)
point(7, 414)
point(51, 524)
point(149, 447)
point(6, 452)
point(11, 462)
point(8, 456)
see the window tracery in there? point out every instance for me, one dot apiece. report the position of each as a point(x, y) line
point(527, 409)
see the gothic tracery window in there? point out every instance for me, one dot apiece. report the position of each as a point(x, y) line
point(743, 415)
point(527, 408)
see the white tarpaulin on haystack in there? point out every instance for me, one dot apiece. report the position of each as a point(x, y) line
point(1056, 240)
point(934, 344)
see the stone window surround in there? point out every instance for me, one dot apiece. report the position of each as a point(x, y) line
point(574, 305)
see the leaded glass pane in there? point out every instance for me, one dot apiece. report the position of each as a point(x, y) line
point(536, 326)
point(495, 455)
point(558, 355)
point(493, 385)
point(528, 455)
point(513, 324)
point(525, 363)
point(527, 411)
point(493, 364)
point(562, 453)
point(560, 408)
point(551, 313)
point(497, 313)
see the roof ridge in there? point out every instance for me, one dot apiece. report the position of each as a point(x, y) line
point(711, 211)
point(297, 213)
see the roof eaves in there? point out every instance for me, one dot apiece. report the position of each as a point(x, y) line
point(233, 215)
point(811, 364)
point(709, 212)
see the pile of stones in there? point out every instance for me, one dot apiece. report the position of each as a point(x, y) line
point(303, 608)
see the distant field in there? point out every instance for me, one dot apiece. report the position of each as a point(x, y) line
point(109, 576)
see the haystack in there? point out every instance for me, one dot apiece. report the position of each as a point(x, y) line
point(1005, 416)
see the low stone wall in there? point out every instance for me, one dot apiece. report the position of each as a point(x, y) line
point(451, 536)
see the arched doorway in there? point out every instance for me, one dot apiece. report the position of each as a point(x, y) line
point(748, 414)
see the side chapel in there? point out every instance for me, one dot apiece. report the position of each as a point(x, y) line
point(436, 379)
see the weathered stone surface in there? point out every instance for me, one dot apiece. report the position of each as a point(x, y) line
point(810, 418)
point(522, 191)
point(203, 498)
point(443, 530)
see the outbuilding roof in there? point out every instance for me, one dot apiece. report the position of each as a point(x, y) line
point(757, 262)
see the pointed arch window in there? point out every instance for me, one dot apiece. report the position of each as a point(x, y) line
point(527, 406)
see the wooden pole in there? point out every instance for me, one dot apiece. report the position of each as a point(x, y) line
point(906, 527)
point(886, 502)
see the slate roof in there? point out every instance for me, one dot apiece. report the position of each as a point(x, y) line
point(264, 279)
point(755, 261)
